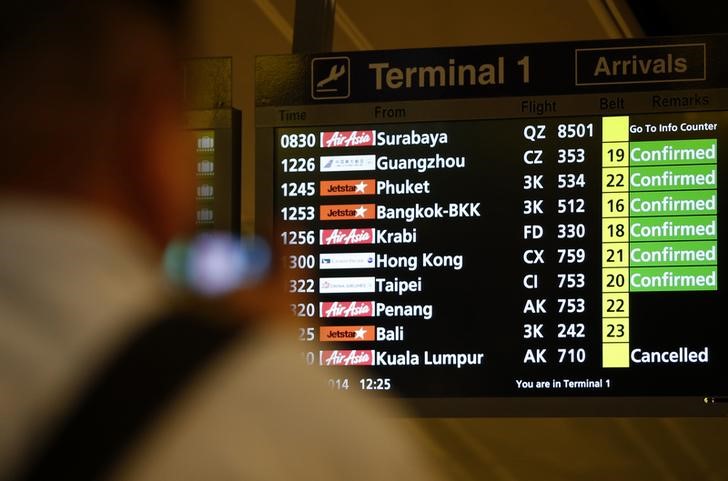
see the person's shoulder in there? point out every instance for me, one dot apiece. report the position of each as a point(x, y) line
point(260, 413)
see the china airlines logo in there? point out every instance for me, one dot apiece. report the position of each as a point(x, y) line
point(343, 285)
point(346, 358)
point(338, 237)
point(347, 309)
point(350, 138)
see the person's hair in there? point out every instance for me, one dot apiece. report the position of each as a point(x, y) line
point(31, 21)
point(65, 61)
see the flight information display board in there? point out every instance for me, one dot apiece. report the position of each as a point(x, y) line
point(505, 230)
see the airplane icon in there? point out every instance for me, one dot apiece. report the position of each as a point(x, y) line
point(336, 72)
point(330, 78)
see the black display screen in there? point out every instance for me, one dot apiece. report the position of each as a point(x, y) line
point(502, 246)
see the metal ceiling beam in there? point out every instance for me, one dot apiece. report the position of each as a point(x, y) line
point(347, 25)
point(313, 26)
point(617, 18)
point(276, 19)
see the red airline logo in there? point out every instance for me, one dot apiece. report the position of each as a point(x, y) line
point(348, 187)
point(347, 309)
point(355, 138)
point(346, 333)
point(346, 237)
point(348, 212)
point(346, 358)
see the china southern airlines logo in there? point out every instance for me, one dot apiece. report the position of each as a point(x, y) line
point(330, 78)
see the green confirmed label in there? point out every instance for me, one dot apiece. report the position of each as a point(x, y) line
point(691, 253)
point(673, 152)
point(673, 203)
point(646, 279)
point(697, 227)
point(673, 178)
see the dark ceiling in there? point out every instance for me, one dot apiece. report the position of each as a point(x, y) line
point(680, 17)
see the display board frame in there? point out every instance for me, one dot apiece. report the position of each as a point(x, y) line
point(531, 81)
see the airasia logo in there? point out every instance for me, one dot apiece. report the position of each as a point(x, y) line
point(354, 138)
point(334, 237)
point(347, 309)
point(346, 358)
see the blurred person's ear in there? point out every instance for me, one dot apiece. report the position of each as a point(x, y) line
point(166, 175)
point(157, 152)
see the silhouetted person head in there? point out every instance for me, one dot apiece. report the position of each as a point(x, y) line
point(90, 108)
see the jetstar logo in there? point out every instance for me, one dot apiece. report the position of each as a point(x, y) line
point(348, 187)
point(347, 309)
point(352, 138)
point(348, 212)
point(345, 237)
point(346, 333)
point(346, 358)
